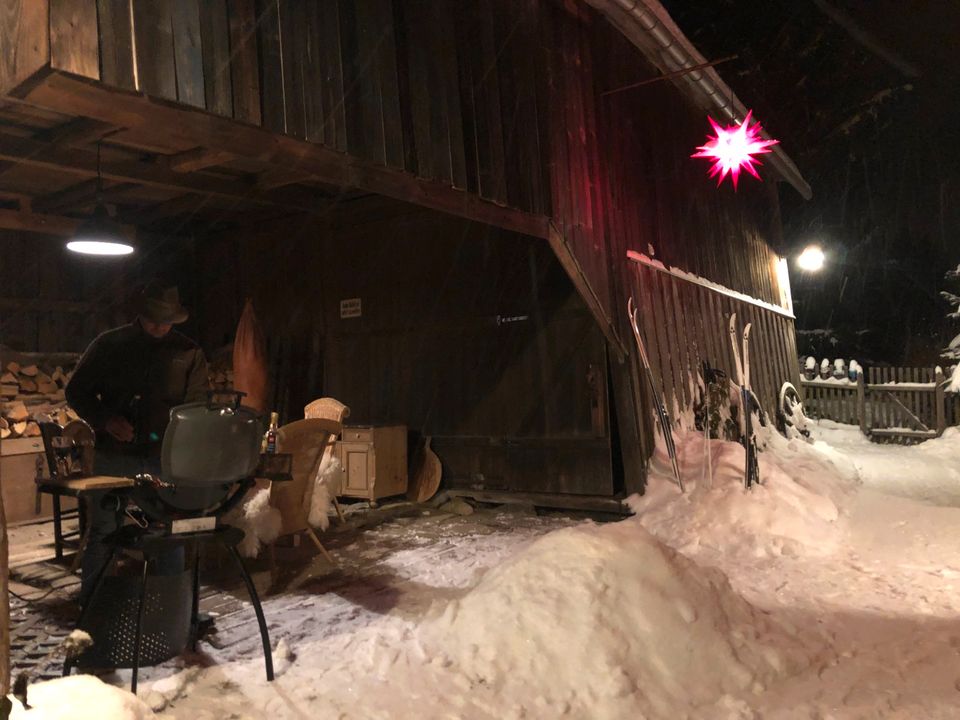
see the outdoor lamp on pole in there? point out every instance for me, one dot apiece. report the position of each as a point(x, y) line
point(100, 234)
point(811, 259)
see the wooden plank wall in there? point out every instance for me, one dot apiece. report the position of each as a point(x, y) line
point(662, 201)
point(685, 324)
point(25, 39)
point(482, 343)
point(572, 136)
point(501, 98)
point(56, 301)
point(452, 92)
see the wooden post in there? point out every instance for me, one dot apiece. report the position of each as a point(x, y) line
point(862, 403)
point(938, 399)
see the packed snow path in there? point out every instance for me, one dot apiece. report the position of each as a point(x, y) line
point(827, 592)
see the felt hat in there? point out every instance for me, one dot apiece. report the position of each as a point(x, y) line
point(161, 305)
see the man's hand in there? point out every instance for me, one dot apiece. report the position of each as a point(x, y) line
point(119, 429)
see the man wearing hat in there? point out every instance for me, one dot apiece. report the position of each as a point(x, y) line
point(124, 386)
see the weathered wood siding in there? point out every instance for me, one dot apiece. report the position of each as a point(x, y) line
point(686, 324)
point(499, 99)
point(482, 342)
point(56, 301)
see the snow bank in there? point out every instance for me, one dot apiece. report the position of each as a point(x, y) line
point(795, 510)
point(928, 472)
point(80, 697)
point(606, 621)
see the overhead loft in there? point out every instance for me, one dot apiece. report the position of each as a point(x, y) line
point(177, 149)
point(215, 113)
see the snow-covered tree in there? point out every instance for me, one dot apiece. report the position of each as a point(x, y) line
point(952, 351)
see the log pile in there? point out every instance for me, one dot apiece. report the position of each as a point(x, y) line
point(30, 393)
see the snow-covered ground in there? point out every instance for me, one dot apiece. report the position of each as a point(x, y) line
point(828, 592)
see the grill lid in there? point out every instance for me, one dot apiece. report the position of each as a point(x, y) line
point(210, 444)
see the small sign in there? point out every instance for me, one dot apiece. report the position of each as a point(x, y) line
point(350, 308)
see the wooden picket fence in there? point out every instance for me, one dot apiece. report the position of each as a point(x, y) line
point(903, 405)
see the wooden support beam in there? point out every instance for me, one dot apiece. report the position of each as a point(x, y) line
point(80, 193)
point(83, 162)
point(196, 159)
point(279, 177)
point(45, 305)
point(37, 222)
point(77, 131)
point(572, 267)
point(41, 223)
point(180, 205)
point(180, 125)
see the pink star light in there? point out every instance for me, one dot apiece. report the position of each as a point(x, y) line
point(733, 148)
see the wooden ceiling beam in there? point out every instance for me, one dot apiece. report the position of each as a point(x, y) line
point(279, 177)
point(77, 131)
point(43, 223)
point(80, 193)
point(196, 159)
point(183, 126)
point(180, 205)
point(83, 162)
point(83, 193)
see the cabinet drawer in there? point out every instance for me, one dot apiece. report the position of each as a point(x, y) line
point(357, 434)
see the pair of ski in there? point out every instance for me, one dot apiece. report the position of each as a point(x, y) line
point(751, 474)
point(751, 468)
point(662, 418)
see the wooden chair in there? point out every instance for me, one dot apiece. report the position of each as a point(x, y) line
point(306, 440)
point(328, 408)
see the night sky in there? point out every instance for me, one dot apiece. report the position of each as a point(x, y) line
point(864, 97)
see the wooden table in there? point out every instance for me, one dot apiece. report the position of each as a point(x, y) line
point(77, 488)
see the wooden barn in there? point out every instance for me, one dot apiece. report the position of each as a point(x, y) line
point(439, 209)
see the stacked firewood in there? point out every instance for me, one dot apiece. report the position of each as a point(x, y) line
point(220, 375)
point(30, 394)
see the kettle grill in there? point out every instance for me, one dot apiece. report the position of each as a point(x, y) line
point(210, 458)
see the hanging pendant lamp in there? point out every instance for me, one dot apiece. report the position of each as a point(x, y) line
point(100, 234)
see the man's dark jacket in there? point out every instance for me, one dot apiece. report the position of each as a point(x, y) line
point(129, 373)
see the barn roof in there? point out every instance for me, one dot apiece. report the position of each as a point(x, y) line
point(648, 25)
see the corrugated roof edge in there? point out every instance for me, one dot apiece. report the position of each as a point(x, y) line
point(648, 25)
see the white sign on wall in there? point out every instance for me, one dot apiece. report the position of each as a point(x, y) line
point(350, 308)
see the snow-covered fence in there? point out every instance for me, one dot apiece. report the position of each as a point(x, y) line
point(900, 404)
point(831, 399)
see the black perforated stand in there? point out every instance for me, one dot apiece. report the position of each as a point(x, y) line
point(148, 623)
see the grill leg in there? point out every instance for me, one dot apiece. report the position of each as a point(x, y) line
point(88, 603)
point(195, 611)
point(139, 634)
point(255, 599)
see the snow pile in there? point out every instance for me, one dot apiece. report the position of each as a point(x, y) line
point(606, 621)
point(928, 472)
point(330, 474)
point(260, 522)
point(795, 509)
point(172, 688)
point(80, 697)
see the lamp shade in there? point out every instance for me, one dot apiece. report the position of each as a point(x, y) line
point(100, 234)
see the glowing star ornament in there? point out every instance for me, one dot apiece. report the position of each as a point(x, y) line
point(732, 149)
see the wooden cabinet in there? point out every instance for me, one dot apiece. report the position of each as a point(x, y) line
point(20, 459)
point(374, 461)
